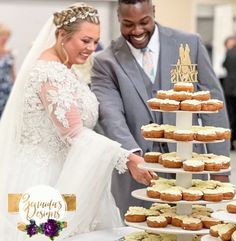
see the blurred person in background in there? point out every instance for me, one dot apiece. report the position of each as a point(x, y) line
point(7, 72)
point(229, 84)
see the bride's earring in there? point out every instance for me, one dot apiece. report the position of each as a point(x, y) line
point(65, 53)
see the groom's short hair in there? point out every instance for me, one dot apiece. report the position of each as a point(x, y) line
point(133, 1)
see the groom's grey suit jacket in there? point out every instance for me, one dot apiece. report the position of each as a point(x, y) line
point(123, 89)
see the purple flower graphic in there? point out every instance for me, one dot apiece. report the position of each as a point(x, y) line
point(32, 228)
point(51, 228)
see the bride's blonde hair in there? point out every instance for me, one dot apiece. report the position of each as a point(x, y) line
point(70, 18)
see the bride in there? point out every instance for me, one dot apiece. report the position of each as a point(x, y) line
point(46, 134)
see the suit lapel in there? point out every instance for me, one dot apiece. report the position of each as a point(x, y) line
point(126, 60)
point(168, 56)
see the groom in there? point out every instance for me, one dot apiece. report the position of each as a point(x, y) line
point(123, 86)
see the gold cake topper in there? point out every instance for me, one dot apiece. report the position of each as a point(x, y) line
point(184, 70)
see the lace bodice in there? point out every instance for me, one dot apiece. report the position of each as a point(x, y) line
point(64, 93)
point(57, 106)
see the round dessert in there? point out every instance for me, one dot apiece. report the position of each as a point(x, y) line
point(151, 212)
point(171, 195)
point(214, 230)
point(222, 133)
point(192, 195)
point(152, 131)
point(226, 231)
point(183, 135)
point(233, 236)
point(171, 162)
point(152, 157)
point(231, 207)
point(201, 95)
point(180, 95)
point(213, 165)
point(167, 155)
point(154, 103)
point(212, 105)
point(159, 206)
point(177, 220)
point(192, 224)
point(157, 222)
point(208, 222)
point(228, 192)
point(168, 216)
point(153, 192)
point(190, 105)
point(136, 214)
point(193, 165)
point(183, 86)
point(212, 195)
point(168, 131)
point(164, 94)
point(169, 105)
point(205, 135)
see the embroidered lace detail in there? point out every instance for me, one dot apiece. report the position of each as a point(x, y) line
point(121, 166)
point(38, 128)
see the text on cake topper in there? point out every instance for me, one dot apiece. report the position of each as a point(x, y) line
point(184, 70)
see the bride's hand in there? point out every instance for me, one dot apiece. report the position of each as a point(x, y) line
point(140, 175)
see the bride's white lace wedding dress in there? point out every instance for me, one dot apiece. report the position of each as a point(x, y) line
point(59, 148)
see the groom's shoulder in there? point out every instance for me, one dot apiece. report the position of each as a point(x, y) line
point(178, 34)
point(110, 51)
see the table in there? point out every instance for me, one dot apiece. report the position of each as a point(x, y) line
point(104, 235)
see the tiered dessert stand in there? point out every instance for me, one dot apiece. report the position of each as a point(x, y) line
point(183, 179)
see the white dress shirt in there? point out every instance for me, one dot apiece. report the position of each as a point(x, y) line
point(154, 46)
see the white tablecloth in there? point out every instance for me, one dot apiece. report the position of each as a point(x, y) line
point(104, 235)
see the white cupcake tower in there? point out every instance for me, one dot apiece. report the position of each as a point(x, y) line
point(183, 179)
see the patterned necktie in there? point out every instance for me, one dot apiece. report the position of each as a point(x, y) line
point(148, 65)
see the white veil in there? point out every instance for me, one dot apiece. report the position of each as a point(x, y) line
point(12, 118)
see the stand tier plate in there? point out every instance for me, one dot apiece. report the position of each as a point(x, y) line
point(169, 229)
point(141, 194)
point(156, 167)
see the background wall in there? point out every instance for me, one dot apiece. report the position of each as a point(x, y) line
point(26, 18)
point(178, 14)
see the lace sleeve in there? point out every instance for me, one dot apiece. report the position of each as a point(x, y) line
point(121, 166)
point(60, 103)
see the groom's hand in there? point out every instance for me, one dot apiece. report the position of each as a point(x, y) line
point(140, 175)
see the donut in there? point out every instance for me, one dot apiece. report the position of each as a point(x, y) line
point(231, 207)
point(208, 222)
point(152, 157)
point(212, 195)
point(183, 86)
point(171, 195)
point(152, 131)
point(206, 135)
point(183, 135)
point(192, 195)
point(201, 95)
point(180, 95)
point(169, 105)
point(190, 105)
point(154, 103)
point(191, 224)
point(193, 165)
point(157, 222)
